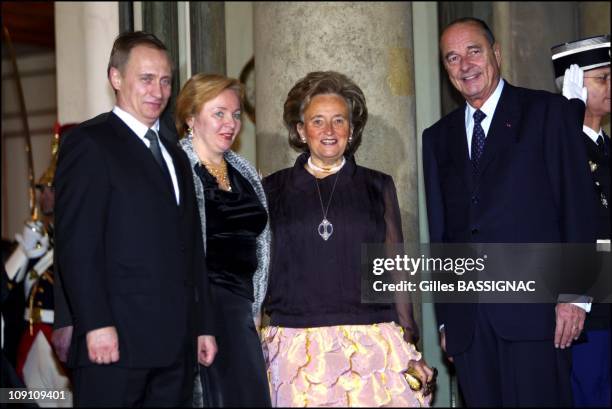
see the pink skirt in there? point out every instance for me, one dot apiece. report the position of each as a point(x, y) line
point(344, 365)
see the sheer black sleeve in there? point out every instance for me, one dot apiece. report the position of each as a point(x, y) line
point(393, 235)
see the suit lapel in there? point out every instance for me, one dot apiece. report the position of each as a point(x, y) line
point(593, 152)
point(458, 147)
point(139, 153)
point(503, 131)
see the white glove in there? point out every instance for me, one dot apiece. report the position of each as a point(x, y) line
point(572, 83)
point(34, 239)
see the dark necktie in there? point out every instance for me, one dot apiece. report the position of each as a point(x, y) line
point(151, 135)
point(478, 138)
point(602, 146)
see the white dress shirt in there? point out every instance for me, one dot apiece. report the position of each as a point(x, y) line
point(488, 108)
point(591, 133)
point(140, 130)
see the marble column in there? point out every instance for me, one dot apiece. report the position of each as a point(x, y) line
point(370, 43)
point(449, 11)
point(238, 50)
point(126, 16)
point(161, 19)
point(84, 35)
point(526, 40)
point(594, 18)
point(207, 28)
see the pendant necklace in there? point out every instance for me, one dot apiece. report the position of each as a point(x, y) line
point(326, 229)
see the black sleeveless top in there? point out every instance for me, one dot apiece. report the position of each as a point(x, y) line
point(233, 221)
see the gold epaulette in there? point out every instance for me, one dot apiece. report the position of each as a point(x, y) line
point(35, 315)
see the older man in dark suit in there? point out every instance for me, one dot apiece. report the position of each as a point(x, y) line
point(129, 244)
point(508, 167)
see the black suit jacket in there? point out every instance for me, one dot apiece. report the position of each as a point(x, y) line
point(599, 317)
point(601, 183)
point(534, 187)
point(128, 255)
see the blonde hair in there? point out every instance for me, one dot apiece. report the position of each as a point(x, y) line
point(197, 91)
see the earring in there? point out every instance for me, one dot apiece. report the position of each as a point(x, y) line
point(350, 139)
point(189, 132)
point(303, 140)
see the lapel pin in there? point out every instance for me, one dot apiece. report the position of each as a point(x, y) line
point(508, 125)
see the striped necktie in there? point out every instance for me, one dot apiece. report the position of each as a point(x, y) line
point(151, 135)
point(601, 144)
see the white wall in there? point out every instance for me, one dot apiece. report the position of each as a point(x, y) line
point(84, 35)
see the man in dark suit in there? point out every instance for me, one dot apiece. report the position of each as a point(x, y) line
point(507, 167)
point(590, 60)
point(129, 244)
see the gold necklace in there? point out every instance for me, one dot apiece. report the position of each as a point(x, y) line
point(219, 172)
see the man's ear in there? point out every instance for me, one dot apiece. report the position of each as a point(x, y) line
point(497, 52)
point(115, 78)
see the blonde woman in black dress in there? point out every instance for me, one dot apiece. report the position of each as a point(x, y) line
point(234, 216)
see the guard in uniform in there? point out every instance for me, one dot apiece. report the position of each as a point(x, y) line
point(32, 263)
point(591, 381)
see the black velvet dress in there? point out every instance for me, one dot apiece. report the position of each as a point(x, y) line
point(234, 219)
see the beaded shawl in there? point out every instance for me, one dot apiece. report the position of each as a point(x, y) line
point(260, 278)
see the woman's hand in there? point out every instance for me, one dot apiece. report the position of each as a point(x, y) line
point(410, 334)
point(425, 374)
point(257, 322)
